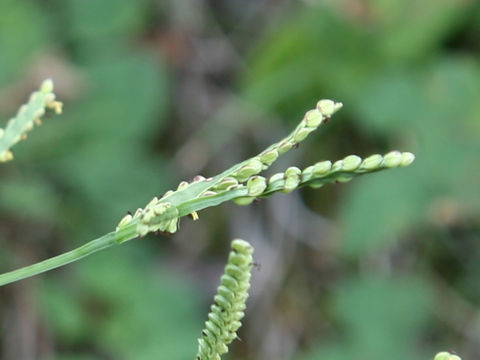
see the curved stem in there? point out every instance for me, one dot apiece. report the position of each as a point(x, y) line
point(110, 239)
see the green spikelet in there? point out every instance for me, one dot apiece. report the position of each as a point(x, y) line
point(156, 216)
point(227, 311)
point(27, 116)
point(444, 355)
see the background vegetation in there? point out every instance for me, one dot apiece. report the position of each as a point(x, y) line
point(157, 91)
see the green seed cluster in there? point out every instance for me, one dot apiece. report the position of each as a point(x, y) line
point(322, 173)
point(159, 214)
point(156, 216)
point(27, 116)
point(344, 170)
point(444, 355)
point(311, 121)
point(248, 172)
point(228, 309)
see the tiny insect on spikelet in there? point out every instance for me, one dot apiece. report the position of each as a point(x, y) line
point(228, 309)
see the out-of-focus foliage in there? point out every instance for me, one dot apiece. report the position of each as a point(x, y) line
point(128, 311)
point(372, 330)
point(385, 267)
point(24, 32)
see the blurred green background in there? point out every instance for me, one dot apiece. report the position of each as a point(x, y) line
point(385, 267)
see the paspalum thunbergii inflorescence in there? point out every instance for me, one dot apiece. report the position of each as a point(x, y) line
point(228, 309)
point(242, 183)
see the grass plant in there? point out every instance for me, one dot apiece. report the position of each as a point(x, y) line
point(242, 183)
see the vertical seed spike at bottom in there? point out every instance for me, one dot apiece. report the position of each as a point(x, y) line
point(224, 319)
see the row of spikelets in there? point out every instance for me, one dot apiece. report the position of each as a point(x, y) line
point(226, 313)
point(321, 173)
point(160, 215)
point(27, 117)
point(153, 217)
point(311, 121)
point(224, 319)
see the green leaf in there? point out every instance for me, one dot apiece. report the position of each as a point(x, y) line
point(30, 196)
point(410, 29)
point(104, 21)
point(120, 303)
point(310, 52)
point(437, 110)
point(377, 210)
point(382, 319)
point(23, 33)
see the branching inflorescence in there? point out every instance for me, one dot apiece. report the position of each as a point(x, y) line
point(227, 311)
point(27, 116)
point(241, 183)
point(163, 214)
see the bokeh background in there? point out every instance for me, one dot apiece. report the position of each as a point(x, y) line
point(384, 267)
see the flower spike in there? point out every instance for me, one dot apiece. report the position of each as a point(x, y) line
point(227, 311)
point(27, 116)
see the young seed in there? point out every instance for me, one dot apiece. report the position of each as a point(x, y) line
point(392, 159)
point(444, 355)
point(256, 185)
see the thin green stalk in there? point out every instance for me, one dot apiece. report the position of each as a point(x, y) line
point(110, 239)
